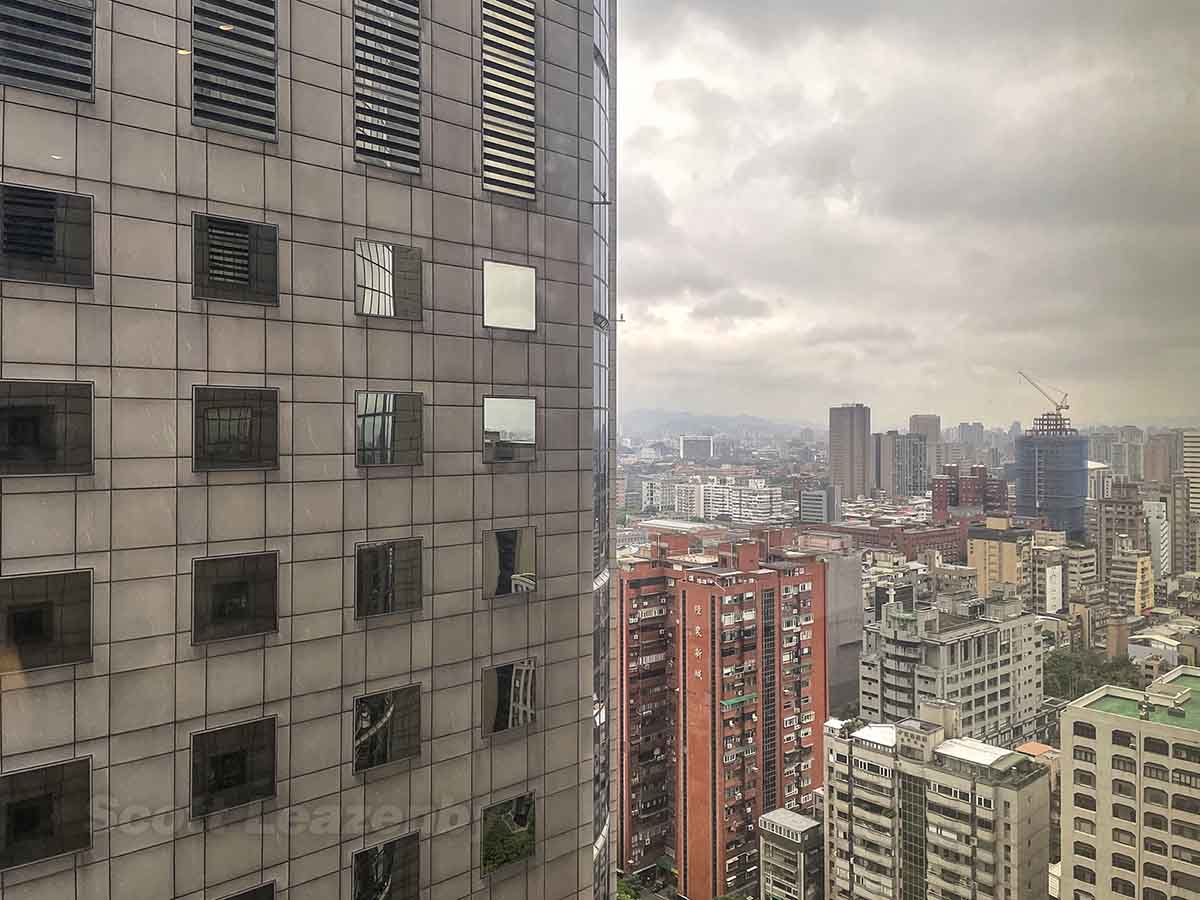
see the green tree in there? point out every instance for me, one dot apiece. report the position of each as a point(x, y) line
point(627, 890)
point(1070, 673)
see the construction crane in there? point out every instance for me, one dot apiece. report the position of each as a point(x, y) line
point(1059, 405)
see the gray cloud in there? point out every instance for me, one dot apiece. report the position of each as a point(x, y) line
point(731, 306)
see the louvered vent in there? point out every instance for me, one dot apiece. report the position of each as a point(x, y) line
point(387, 83)
point(48, 46)
point(233, 66)
point(509, 65)
point(235, 261)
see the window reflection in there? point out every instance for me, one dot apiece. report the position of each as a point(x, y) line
point(235, 428)
point(45, 428)
point(388, 429)
point(235, 596)
point(509, 562)
point(46, 620)
point(391, 871)
point(509, 429)
point(509, 296)
point(508, 834)
point(387, 577)
point(387, 727)
point(233, 766)
point(44, 812)
point(387, 280)
point(509, 696)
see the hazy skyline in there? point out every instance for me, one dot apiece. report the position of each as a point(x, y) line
point(901, 203)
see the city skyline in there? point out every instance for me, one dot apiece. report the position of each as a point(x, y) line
point(963, 196)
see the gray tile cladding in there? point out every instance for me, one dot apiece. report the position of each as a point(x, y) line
point(141, 518)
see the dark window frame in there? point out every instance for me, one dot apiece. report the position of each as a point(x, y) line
point(77, 762)
point(81, 472)
point(201, 642)
point(416, 754)
point(524, 727)
point(195, 811)
point(512, 864)
point(90, 575)
point(360, 452)
point(397, 250)
point(491, 458)
point(199, 468)
point(61, 227)
point(490, 536)
point(362, 546)
point(202, 284)
point(411, 838)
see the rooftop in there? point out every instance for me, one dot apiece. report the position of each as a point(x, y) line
point(884, 735)
point(786, 818)
point(1163, 710)
point(1033, 748)
point(972, 751)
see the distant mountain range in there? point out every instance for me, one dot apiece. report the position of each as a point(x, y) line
point(651, 423)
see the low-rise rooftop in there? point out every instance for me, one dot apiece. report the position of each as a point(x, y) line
point(1173, 699)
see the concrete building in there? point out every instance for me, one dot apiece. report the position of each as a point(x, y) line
point(1190, 464)
point(299, 289)
point(1159, 543)
point(1120, 514)
point(930, 426)
point(1048, 577)
point(1000, 553)
point(1130, 578)
point(822, 505)
point(915, 810)
point(1130, 804)
point(1051, 758)
point(990, 666)
point(1100, 480)
point(1052, 474)
point(791, 856)
point(695, 447)
point(843, 628)
point(849, 449)
point(968, 492)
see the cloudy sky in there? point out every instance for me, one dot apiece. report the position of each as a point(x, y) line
point(902, 202)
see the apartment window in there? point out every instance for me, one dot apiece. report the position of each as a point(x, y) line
point(389, 871)
point(1083, 754)
point(46, 620)
point(509, 296)
point(387, 577)
point(387, 280)
point(1085, 826)
point(45, 236)
point(1120, 835)
point(387, 429)
point(45, 428)
point(1186, 854)
point(1122, 788)
point(387, 727)
point(1123, 739)
point(509, 696)
point(1087, 779)
point(1084, 874)
point(234, 596)
point(509, 429)
point(508, 834)
point(233, 766)
point(1186, 803)
point(1185, 881)
point(1155, 771)
point(45, 812)
point(234, 67)
point(1155, 821)
point(1124, 764)
point(1183, 829)
point(235, 428)
point(509, 98)
point(1087, 851)
point(1123, 887)
point(235, 260)
point(1124, 813)
point(262, 892)
point(1149, 893)
point(509, 562)
point(1084, 730)
point(1155, 745)
point(1186, 752)
point(387, 83)
point(1155, 796)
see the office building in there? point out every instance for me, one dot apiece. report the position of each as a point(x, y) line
point(1190, 464)
point(695, 447)
point(1131, 809)
point(990, 665)
point(1120, 514)
point(297, 291)
point(1130, 578)
point(930, 426)
point(1000, 554)
point(822, 505)
point(1052, 474)
point(849, 449)
point(791, 856)
point(915, 809)
point(1100, 480)
point(1126, 460)
point(898, 464)
point(1164, 455)
point(844, 614)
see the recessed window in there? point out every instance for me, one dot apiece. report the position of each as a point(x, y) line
point(390, 871)
point(387, 429)
point(509, 562)
point(45, 428)
point(508, 834)
point(234, 596)
point(509, 429)
point(235, 428)
point(45, 236)
point(387, 577)
point(233, 766)
point(387, 727)
point(235, 261)
point(262, 892)
point(509, 696)
point(46, 620)
point(509, 296)
point(387, 280)
point(45, 812)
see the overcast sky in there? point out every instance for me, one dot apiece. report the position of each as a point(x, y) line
point(902, 202)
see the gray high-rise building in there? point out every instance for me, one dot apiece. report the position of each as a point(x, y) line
point(302, 307)
point(931, 427)
point(1052, 474)
point(849, 449)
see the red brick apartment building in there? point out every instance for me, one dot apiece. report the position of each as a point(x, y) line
point(722, 706)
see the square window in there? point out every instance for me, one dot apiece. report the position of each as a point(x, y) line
point(387, 577)
point(387, 727)
point(509, 696)
point(387, 280)
point(45, 236)
point(46, 620)
point(235, 261)
point(233, 766)
point(390, 871)
point(509, 562)
point(509, 296)
point(262, 892)
point(509, 429)
point(387, 428)
point(235, 596)
point(508, 834)
point(45, 428)
point(235, 428)
point(45, 812)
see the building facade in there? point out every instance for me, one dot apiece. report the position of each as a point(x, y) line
point(822, 505)
point(791, 854)
point(930, 427)
point(849, 449)
point(1000, 554)
point(1052, 474)
point(296, 308)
